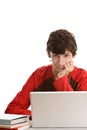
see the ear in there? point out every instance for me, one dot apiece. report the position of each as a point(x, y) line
point(49, 54)
point(74, 56)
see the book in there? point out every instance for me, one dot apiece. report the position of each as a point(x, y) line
point(17, 128)
point(8, 119)
point(13, 120)
point(14, 126)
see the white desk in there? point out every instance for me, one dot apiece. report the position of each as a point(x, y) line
point(56, 128)
point(85, 128)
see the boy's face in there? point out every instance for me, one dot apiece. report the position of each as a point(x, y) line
point(60, 60)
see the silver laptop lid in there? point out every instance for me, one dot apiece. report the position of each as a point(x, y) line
point(59, 109)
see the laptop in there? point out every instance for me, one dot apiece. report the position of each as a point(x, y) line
point(59, 109)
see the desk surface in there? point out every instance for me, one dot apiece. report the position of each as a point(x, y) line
point(85, 128)
point(56, 128)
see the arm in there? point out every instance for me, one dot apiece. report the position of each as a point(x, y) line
point(78, 81)
point(82, 80)
point(62, 84)
point(21, 102)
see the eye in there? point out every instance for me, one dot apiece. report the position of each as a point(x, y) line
point(66, 55)
point(54, 55)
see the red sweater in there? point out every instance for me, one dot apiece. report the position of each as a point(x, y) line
point(42, 79)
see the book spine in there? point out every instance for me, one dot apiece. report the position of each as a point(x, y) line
point(8, 129)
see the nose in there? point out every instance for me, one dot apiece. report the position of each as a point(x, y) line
point(61, 60)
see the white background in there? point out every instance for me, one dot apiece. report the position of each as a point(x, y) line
point(24, 29)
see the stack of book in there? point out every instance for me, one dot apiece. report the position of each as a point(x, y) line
point(14, 122)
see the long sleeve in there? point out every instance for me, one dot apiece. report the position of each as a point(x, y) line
point(21, 102)
point(77, 81)
point(62, 84)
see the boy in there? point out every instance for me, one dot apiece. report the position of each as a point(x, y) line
point(61, 75)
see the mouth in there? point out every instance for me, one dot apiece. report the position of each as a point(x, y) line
point(59, 68)
point(63, 68)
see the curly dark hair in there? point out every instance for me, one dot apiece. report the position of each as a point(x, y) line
point(61, 40)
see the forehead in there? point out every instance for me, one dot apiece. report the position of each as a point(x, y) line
point(66, 52)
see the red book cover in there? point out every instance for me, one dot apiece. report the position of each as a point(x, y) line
point(8, 129)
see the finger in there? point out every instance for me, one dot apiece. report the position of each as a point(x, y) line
point(67, 65)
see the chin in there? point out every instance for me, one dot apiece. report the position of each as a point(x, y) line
point(58, 70)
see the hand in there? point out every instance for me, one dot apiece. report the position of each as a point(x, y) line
point(69, 67)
